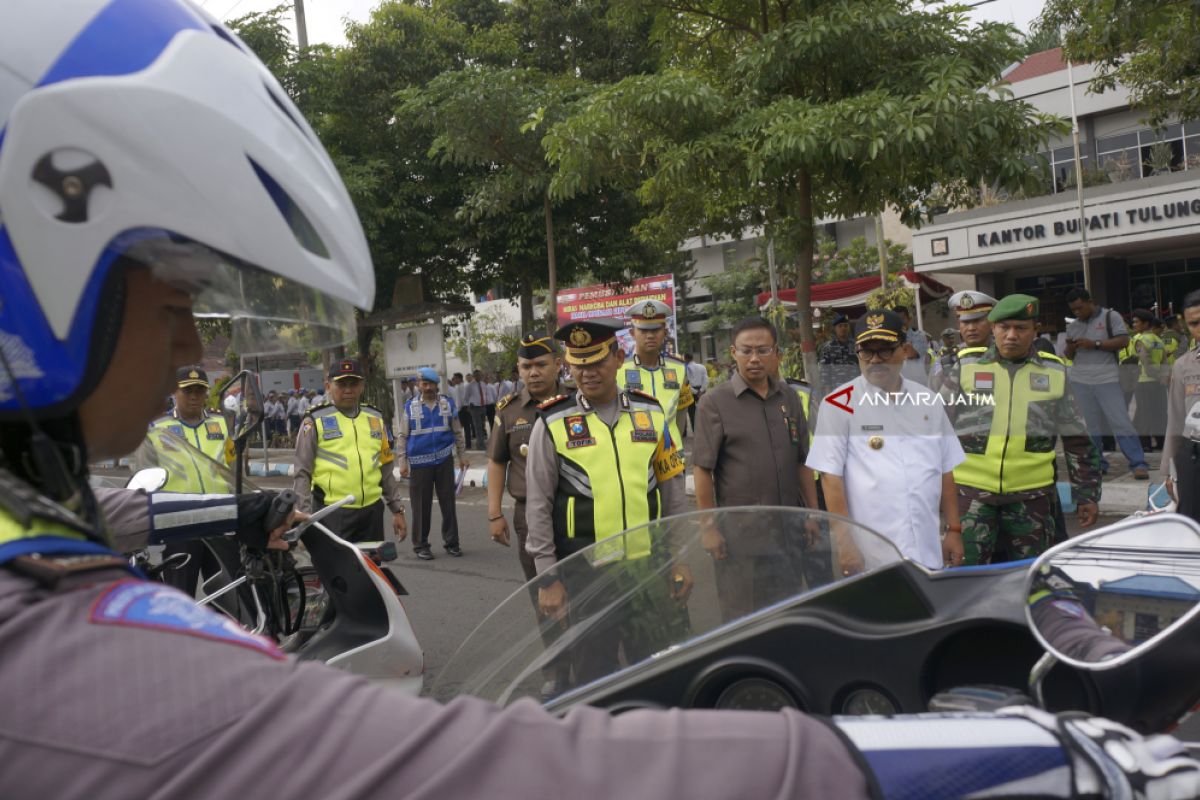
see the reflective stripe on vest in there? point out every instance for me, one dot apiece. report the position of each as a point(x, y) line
point(430, 432)
point(210, 437)
point(351, 452)
point(657, 382)
point(1009, 446)
point(614, 464)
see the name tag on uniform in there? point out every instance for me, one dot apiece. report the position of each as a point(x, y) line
point(213, 431)
point(578, 434)
point(376, 426)
point(670, 379)
point(643, 428)
point(521, 424)
point(633, 379)
point(330, 428)
point(793, 430)
point(984, 381)
point(1039, 382)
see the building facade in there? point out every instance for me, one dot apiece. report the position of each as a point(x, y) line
point(1141, 208)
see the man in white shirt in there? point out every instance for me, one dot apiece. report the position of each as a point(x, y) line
point(697, 377)
point(886, 452)
point(293, 412)
point(475, 401)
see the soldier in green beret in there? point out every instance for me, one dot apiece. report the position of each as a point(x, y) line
point(1009, 406)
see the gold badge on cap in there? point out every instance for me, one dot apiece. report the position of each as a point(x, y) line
point(967, 302)
point(580, 337)
point(875, 442)
point(874, 320)
point(649, 310)
point(193, 374)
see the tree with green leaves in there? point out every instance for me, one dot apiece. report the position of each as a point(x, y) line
point(775, 114)
point(1150, 47)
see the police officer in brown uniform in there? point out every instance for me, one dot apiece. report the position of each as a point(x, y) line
point(538, 365)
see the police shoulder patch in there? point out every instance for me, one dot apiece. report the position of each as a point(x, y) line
point(503, 401)
point(157, 607)
point(553, 401)
point(645, 397)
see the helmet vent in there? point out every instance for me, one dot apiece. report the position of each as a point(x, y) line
point(283, 107)
point(306, 235)
point(224, 34)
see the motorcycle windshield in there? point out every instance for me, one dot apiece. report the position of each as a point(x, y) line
point(636, 597)
point(188, 469)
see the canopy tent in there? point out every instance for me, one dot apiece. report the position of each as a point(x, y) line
point(853, 293)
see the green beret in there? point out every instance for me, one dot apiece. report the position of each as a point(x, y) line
point(1015, 306)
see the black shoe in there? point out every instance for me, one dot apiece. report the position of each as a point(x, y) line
point(454, 551)
point(425, 555)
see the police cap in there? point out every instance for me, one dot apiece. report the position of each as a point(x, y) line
point(970, 304)
point(535, 345)
point(648, 314)
point(191, 376)
point(1015, 306)
point(588, 341)
point(345, 368)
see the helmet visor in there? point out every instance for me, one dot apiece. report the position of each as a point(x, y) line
point(268, 313)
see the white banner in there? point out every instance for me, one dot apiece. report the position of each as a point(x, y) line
point(408, 350)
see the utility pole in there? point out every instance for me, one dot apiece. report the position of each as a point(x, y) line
point(301, 27)
point(1083, 240)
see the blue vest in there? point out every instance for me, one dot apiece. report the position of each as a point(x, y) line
point(430, 437)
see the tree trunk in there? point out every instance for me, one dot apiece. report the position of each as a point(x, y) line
point(526, 288)
point(804, 265)
point(552, 282)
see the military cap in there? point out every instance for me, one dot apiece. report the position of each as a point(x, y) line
point(1015, 306)
point(949, 332)
point(534, 345)
point(970, 304)
point(588, 341)
point(428, 374)
point(191, 376)
point(839, 319)
point(648, 314)
point(880, 325)
point(345, 368)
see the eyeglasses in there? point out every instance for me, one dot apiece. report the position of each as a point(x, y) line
point(761, 352)
point(882, 353)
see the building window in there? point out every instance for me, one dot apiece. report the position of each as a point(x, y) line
point(1160, 286)
point(1147, 152)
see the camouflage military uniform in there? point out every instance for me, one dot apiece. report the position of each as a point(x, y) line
point(1009, 525)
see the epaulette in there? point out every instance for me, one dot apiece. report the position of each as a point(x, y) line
point(163, 418)
point(673, 357)
point(639, 394)
point(553, 401)
point(369, 407)
point(503, 401)
point(322, 408)
point(1052, 357)
point(797, 382)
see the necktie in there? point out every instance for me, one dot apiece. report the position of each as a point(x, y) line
point(479, 386)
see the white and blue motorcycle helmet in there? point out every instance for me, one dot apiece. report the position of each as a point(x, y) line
point(144, 130)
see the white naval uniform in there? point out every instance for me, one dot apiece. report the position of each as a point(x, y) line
point(895, 487)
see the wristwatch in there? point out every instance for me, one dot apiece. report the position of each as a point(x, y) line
point(1097, 344)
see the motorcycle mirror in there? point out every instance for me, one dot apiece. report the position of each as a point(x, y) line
point(1103, 599)
point(149, 480)
point(247, 404)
